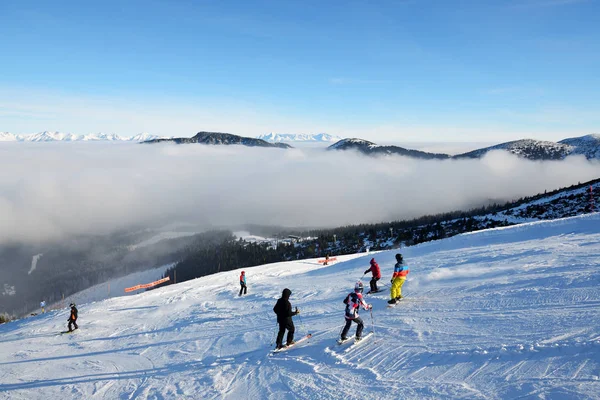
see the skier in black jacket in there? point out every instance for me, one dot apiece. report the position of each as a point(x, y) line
point(73, 317)
point(284, 312)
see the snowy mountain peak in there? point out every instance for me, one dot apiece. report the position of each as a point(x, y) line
point(10, 137)
point(300, 137)
point(350, 143)
point(142, 137)
point(588, 145)
point(51, 136)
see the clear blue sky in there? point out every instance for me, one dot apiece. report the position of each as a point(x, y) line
point(432, 70)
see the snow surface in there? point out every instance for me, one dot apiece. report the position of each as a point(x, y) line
point(496, 314)
point(113, 288)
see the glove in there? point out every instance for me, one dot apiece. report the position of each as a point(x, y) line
point(370, 306)
point(366, 272)
point(297, 311)
point(392, 280)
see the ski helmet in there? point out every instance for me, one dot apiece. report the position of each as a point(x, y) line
point(72, 305)
point(358, 288)
point(399, 257)
point(243, 273)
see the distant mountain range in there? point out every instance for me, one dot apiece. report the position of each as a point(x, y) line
point(218, 138)
point(48, 136)
point(588, 146)
point(300, 137)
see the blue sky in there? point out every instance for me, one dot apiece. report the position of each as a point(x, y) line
point(484, 71)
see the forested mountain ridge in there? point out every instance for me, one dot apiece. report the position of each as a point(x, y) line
point(218, 138)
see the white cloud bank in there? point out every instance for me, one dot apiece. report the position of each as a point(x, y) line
point(49, 191)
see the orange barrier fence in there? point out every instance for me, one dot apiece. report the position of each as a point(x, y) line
point(330, 260)
point(146, 285)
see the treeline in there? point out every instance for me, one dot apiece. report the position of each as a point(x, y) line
point(221, 251)
point(218, 251)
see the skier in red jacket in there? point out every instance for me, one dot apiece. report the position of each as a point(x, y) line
point(376, 276)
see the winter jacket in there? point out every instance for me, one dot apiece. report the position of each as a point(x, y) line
point(243, 279)
point(73, 314)
point(283, 307)
point(353, 302)
point(400, 271)
point(374, 269)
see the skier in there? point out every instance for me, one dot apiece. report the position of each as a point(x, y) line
point(43, 306)
point(353, 302)
point(243, 287)
point(398, 279)
point(284, 312)
point(326, 260)
point(376, 276)
point(73, 317)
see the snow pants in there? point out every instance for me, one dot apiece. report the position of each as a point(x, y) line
point(243, 288)
point(72, 321)
point(373, 284)
point(396, 289)
point(359, 328)
point(283, 325)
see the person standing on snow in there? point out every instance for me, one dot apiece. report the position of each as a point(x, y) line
point(284, 312)
point(376, 276)
point(398, 279)
point(73, 317)
point(243, 287)
point(43, 306)
point(353, 302)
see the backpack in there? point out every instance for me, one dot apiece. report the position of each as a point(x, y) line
point(351, 301)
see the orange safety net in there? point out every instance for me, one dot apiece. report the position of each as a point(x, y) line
point(147, 285)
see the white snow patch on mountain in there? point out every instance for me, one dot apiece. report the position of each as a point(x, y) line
point(502, 313)
point(160, 236)
point(34, 261)
point(298, 137)
point(8, 290)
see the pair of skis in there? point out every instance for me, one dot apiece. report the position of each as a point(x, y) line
point(339, 342)
point(287, 347)
point(354, 341)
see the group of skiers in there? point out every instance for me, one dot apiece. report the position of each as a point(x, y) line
point(283, 308)
point(354, 300)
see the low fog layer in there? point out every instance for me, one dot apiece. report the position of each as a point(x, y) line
point(49, 191)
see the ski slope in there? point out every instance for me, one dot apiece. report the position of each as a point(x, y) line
point(499, 314)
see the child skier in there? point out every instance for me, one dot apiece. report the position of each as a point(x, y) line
point(243, 287)
point(398, 279)
point(284, 312)
point(73, 317)
point(353, 301)
point(376, 276)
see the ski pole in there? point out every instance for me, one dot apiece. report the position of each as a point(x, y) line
point(372, 321)
point(273, 337)
point(301, 322)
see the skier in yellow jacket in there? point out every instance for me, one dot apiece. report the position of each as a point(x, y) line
point(398, 279)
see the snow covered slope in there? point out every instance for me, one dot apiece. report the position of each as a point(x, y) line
point(496, 314)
